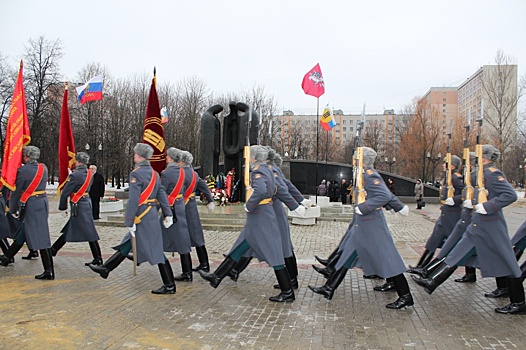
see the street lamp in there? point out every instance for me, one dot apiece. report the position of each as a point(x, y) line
point(101, 156)
point(390, 163)
point(434, 161)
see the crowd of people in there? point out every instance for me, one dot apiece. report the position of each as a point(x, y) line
point(470, 232)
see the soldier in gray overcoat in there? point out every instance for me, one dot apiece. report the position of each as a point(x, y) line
point(449, 213)
point(282, 196)
point(176, 238)
point(32, 210)
point(455, 236)
point(487, 237)
point(80, 226)
point(370, 244)
point(141, 219)
point(194, 183)
point(260, 233)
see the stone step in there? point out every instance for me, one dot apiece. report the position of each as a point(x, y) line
point(221, 227)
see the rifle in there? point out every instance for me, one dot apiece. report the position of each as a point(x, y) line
point(449, 179)
point(359, 191)
point(246, 154)
point(481, 191)
point(468, 190)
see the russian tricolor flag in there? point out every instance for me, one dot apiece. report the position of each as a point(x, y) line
point(91, 91)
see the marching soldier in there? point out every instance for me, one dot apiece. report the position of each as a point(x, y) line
point(80, 226)
point(176, 238)
point(142, 222)
point(29, 202)
point(369, 240)
point(261, 233)
point(487, 237)
point(193, 182)
point(449, 215)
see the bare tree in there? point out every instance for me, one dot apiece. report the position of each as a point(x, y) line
point(503, 94)
point(42, 87)
point(7, 82)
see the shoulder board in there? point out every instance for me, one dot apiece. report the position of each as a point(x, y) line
point(257, 176)
point(492, 169)
point(369, 172)
point(135, 169)
point(256, 167)
point(458, 174)
point(501, 178)
point(276, 175)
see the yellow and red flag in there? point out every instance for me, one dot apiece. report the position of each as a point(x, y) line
point(153, 133)
point(17, 134)
point(66, 145)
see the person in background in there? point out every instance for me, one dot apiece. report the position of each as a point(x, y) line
point(391, 186)
point(419, 193)
point(344, 191)
point(322, 188)
point(96, 192)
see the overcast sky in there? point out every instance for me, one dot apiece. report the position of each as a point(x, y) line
point(382, 53)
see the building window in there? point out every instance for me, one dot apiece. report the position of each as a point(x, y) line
point(444, 111)
point(444, 99)
point(351, 128)
point(344, 128)
point(344, 121)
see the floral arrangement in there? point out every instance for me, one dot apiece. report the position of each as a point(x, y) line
point(110, 199)
point(220, 196)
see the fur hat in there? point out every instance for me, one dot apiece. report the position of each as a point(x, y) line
point(278, 160)
point(259, 153)
point(175, 154)
point(490, 152)
point(82, 157)
point(188, 158)
point(144, 150)
point(32, 152)
point(455, 160)
point(369, 156)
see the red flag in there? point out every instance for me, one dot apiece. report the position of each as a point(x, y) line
point(153, 133)
point(17, 134)
point(313, 82)
point(66, 145)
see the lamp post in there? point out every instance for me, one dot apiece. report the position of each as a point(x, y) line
point(101, 156)
point(87, 147)
point(434, 161)
point(390, 163)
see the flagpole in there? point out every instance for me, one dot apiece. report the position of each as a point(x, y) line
point(317, 142)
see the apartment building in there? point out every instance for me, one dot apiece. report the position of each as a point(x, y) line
point(444, 100)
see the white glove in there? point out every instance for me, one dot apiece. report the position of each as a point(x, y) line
point(450, 201)
point(246, 209)
point(404, 211)
point(132, 229)
point(64, 213)
point(211, 206)
point(357, 211)
point(479, 208)
point(305, 203)
point(168, 221)
point(467, 204)
point(300, 210)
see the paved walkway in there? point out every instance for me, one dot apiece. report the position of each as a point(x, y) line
point(80, 310)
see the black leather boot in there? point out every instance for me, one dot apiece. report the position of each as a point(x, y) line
point(167, 276)
point(441, 274)
point(47, 262)
point(424, 260)
point(523, 271)
point(186, 267)
point(332, 283)
point(387, 286)
point(217, 276)
point(517, 304)
point(96, 253)
point(325, 271)
point(404, 295)
point(287, 292)
point(10, 253)
point(324, 262)
point(426, 270)
point(109, 265)
point(202, 255)
point(469, 277)
point(239, 267)
point(292, 269)
point(518, 252)
point(501, 291)
point(4, 246)
point(32, 254)
point(59, 243)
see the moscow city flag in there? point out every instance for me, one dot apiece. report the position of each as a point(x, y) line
point(17, 134)
point(313, 83)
